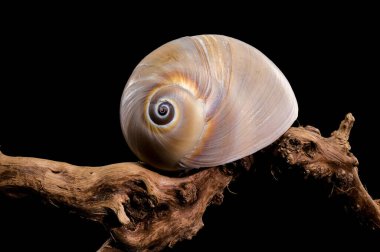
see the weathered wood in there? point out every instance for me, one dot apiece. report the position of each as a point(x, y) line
point(146, 211)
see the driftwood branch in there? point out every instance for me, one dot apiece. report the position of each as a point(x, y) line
point(146, 211)
point(329, 161)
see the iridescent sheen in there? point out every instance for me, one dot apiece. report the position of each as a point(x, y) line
point(226, 100)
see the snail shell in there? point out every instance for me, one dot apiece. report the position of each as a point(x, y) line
point(204, 101)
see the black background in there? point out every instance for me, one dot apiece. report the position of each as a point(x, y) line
point(62, 75)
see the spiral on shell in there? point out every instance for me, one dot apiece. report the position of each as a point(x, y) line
point(204, 101)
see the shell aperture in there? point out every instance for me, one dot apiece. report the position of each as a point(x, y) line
point(204, 101)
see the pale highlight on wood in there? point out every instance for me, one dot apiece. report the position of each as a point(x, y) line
point(146, 211)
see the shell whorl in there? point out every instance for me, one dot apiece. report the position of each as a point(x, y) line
point(204, 101)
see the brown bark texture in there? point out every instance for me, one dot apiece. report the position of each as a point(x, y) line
point(146, 211)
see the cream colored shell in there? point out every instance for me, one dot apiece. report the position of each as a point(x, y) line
point(204, 101)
